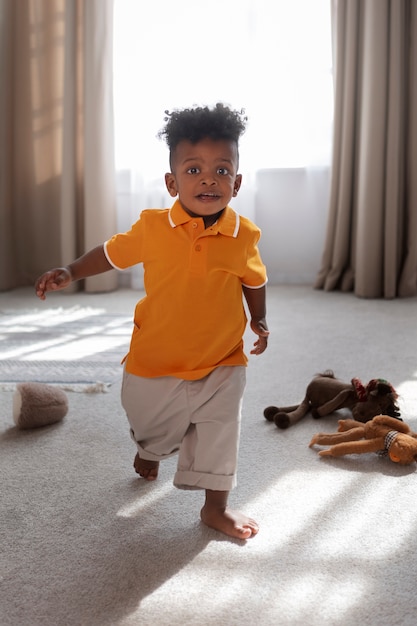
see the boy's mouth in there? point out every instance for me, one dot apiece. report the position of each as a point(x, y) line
point(208, 196)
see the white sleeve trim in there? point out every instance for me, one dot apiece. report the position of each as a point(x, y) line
point(121, 269)
point(255, 287)
point(237, 225)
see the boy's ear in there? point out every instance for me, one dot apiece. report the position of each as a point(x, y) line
point(236, 187)
point(171, 184)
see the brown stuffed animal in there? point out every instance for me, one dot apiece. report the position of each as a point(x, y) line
point(383, 434)
point(38, 404)
point(326, 394)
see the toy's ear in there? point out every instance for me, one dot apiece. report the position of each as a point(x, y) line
point(397, 459)
point(394, 458)
point(380, 387)
point(403, 450)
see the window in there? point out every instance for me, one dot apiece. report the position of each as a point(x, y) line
point(270, 57)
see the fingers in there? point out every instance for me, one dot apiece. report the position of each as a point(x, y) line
point(52, 281)
point(260, 328)
point(260, 345)
point(41, 287)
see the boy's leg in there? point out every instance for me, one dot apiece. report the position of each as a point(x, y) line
point(216, 514)
point(208, 454)
point(150, 405)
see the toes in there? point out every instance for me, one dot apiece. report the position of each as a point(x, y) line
point(252, 526)
point(149, 474)
point(248, 528)
point(245, 533)
point(146, 469)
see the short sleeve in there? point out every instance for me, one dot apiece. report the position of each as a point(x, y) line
point(126, 249)
point(255, 275)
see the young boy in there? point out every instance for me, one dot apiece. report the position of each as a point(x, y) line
point(184, 375)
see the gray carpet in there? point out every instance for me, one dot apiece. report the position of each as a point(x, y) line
point(86, 543)
point(73, 346)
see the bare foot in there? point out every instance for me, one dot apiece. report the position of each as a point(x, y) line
point(231, 523)
point(146, 469)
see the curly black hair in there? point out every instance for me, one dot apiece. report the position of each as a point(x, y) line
point(195, 124)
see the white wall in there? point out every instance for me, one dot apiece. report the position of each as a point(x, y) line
point(291, 209)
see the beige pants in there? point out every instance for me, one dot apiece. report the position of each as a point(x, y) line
point(198, 419)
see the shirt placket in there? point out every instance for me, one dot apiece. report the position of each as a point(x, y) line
point(199, 248)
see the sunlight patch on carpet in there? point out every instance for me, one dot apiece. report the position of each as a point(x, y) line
point(77, 348)
point(145, 500)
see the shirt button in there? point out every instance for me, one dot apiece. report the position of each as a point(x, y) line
point(197, 248)
point(194, 224)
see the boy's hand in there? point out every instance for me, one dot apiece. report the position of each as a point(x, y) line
point(260, 328)
point(53, 280)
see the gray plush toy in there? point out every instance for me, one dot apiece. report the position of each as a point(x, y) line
point(38, 404)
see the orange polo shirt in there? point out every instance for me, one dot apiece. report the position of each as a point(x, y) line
point(192, 318)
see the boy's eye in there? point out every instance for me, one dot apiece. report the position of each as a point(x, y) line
point(193, 170)
point(223, 171)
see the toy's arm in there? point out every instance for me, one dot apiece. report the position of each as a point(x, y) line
point(393, 423)
point(328, 439)
point(338, 402)
point(354, 447)
point(348, 424)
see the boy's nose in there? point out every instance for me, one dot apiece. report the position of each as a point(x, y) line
point(208, 179)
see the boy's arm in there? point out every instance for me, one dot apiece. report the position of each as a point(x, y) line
point(256, 300)
point(92, 263)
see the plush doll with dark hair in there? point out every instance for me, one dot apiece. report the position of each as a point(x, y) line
point(326, 394)
point(382, 434)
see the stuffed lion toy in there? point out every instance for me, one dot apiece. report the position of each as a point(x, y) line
point(326, 394)
point(382, 434)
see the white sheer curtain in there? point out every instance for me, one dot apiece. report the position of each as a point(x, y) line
point(270, 57)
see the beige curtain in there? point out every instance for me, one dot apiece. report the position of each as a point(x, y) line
point(371, 240)
point(57, 192)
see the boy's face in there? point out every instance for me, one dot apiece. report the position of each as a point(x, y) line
point(204, 175)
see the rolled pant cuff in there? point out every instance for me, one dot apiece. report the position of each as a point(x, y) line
point(197, 480)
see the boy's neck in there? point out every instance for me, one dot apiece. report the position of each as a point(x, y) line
point(209, 220)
